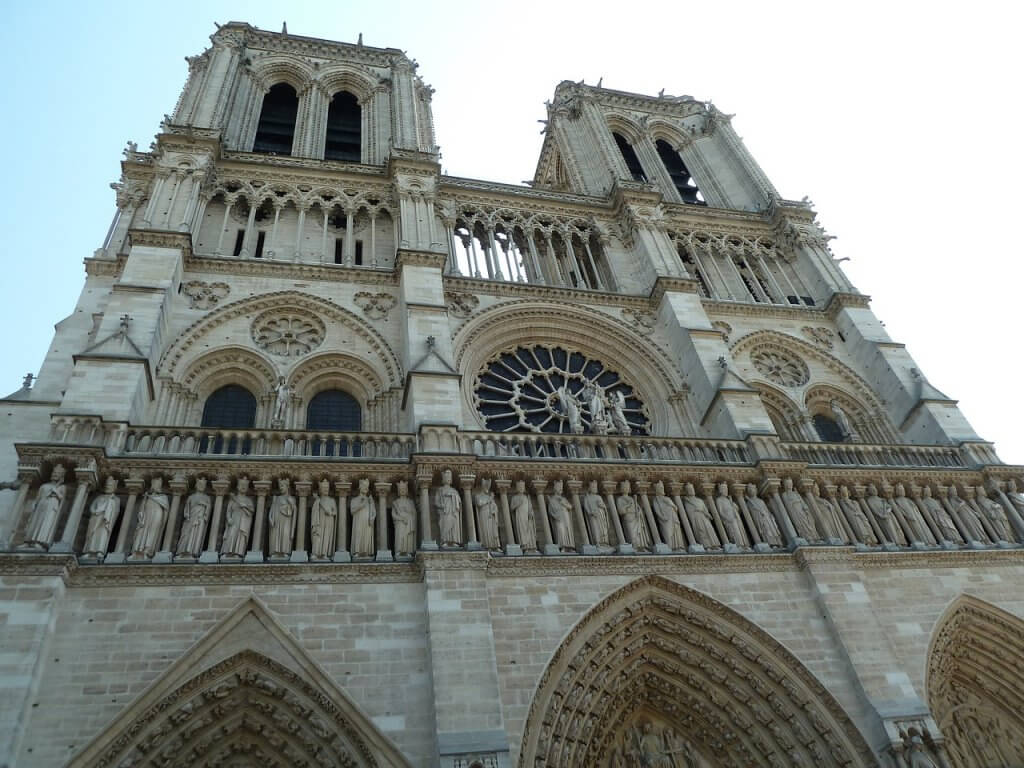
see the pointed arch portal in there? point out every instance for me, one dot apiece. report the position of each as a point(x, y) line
point(660, 675)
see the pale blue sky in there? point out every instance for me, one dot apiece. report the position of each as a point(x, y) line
point(901, 121)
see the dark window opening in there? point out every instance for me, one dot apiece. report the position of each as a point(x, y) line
point(339, 252)
point(276, 127)
point(230, 407)
point(750, 287)
point(239, 242)
point(827, 429)
point(333, 411)
point(764, 286)
point(704, 289)
point(841, 337)
point(793, 299)
point(808, 301)
point(260, 239)
point(359, 253)
point(632, 161)
point(680, 176)
point(344, 129)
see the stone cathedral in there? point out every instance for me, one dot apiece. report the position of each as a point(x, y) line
point(343, 461)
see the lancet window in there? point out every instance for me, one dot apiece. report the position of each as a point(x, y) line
point(230, 407)
point(276, 128)
point(333, 411)
point(636, 170)
point(344, 129)
point(677, 171)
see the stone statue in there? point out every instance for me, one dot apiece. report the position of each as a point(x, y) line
point(560, 513)
point(947, 528)
point(1014, 496)
point(240, 511)
point(282, 521)
point(46, 511)
point(652, 749)
point(882, 510)
point(632, 519)
point(617, 405)
point(700, 519)
point(323, 522)
point(799, 512)
point(487, 516)
point(729, 514)
point(152, 516)
point(594, 396)
point(855, 516)
point(281, 393)
point(522, 515)
point(916, 756)
point(680, 750)
point(403, 517)
point(763, 519)
point(449, 512)
point(194, 520)
point(913, 517)
point(597, 516)
point(103, 514)
point(364, 514)
point(995, 515)
point(831, 522)
point(571, 409)
point(839, 416)
point(667, 515)
point(968, 517)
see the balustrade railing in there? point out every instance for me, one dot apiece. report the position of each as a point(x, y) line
point(531, 445)
point(867, 455)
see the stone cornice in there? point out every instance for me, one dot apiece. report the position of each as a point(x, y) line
point(841, 301)
point(149, 574)
point(716, 308)
point(407, 257)
point(160, 238)
point(311, 46)
point(477, 190)
point(550, 292)
point(199, 264)
point(332, 170)
point(96, 267)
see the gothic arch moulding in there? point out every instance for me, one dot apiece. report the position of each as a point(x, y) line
point(247, 694)
point(272, 69)
point(359, 81)
point(229, 365)
point(975, 684)
point(641, 364)
point(658, 673)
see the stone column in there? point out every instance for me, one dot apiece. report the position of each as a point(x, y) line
point(608, 486)
point(220, 487)
point(341, 554)
point(511, 546)
point(19, 519)
point(299, 554)
point(383, 550)
point(426, 542)
point(134, 487)
point(178, 486)
point(85, 478)
point(583, 544)
point(660, 547)
point(548, 545)
point(466, 484)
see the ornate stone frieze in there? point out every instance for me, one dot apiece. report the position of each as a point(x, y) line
point(375, 305)
point(823, 337)
point(204, 295)
point(642, 320)
point(723, 328)
point(288, 333)
point(461, 304)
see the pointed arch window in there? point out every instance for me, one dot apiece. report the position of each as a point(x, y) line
point(230, 407)
point(334, 411)
point(344, 129)
point(629, 155)
point(827, 428)
point(677, 171)
point(276, 129)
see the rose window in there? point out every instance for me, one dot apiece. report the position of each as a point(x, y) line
point(781, 367)
point(289, 334)
point(548, 389)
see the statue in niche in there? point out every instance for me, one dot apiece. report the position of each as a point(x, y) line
point(449, 512)
point(995, 515)
point(282, 520)
point(729, 513)
point(799, 512)
point(842, 421)
point(364, 514)
point(323, 522)
point(597, 516)
point(947, 528)
point(281, 394)
point(194, 519)
point(700, 519)
point(632, 519)
point(594, 396)
point(240, 511)
point(763, 519)
point(667, 515)
point(403, 518)
point(572, 409)
point(968, 517)
point(46, 511)
point(617, 405)
point(487, 515)
point(560, 513)
point(522, 516)
point(152, 516)
point(858, 520)
point(913, 517)
point(884, 517)
point(916, 754)
point(103, 514)
point(831, 522)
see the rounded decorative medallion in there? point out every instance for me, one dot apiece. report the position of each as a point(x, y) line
point(288, 333)
point(781, 367)
point(549, 389)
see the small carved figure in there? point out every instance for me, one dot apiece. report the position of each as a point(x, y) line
point(763, 519)
point(842, 421)
point(700, 519)
point(449, 512)
point(152, 516)
point(994, 514)
point(857, 518)
point(916, 755)
point(882, 511)
point(968, 517)
point(594, 395)
point(364, 514)
point(597, 515)
point(487, 516)
point(240, 511)
point(522, 516)
point(282, 520)
point(403, 517)
point(323, 522)
point(560, 513)
point(194, 519)
point(46, 510)
point(667, 515)
point(103, 514)
point(799, 512)
point(947, 528)
point(617, 405)
point(1015, 497)
point(912, 515)
point(652, 749)
point(571, 409)
point(632, 519)
point(281, 394)
point(729, 514)
point(831, 523)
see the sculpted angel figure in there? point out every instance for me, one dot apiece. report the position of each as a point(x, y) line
point(487, 516)
point(364, 514)
point(522, 515)
point(729, 513)
point(855, 516)
point(403, 517)
point(449, 511)
point(667, 515)
point(240, 511)
point(282, 520)
point(103, 514)
point(323, 519)
point(46, 511)
point(152, 516)
point(617, 405)
point(947, 528)
point(763, 519)
point(597, 515)
point(560, 513)
point(633, 519)
point(194, 519)
point(700, 519)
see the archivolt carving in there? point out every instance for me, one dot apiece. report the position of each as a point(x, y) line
point(229, 365)
point(331, 370)
point(975, 684)
point(658, 653)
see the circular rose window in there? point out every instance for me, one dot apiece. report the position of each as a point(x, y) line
point(288, 334)
point(781, 367)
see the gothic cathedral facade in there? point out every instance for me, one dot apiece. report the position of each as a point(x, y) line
point(343, 461)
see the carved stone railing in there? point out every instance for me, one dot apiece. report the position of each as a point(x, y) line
point(604, 448)
point(867, 455)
